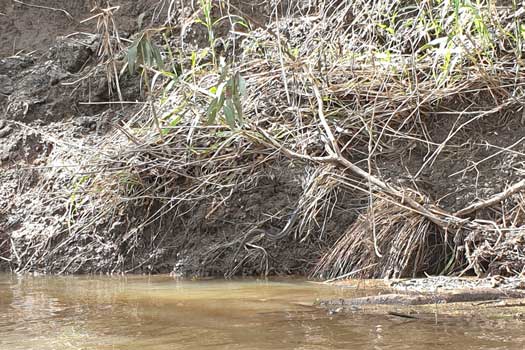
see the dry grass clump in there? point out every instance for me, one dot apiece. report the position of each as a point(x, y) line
point(388, 241)
point(110, 44)
point(500, 250)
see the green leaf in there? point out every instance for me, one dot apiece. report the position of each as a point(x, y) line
point(241, 84)
point(141, 54)
point(223, 134)
point(229, 113)
point(147, 56)
point(175, 121)
point(170, 75)
point(200, 21)
point(211, 113)
point(221, 100)
point(203, 53)
point(214, 108)
point(238, 109)
point(193, 59)
point(157, 56)
point(132, 58)
point(243, 23)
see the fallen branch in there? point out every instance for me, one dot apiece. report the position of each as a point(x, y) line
point(491, 201)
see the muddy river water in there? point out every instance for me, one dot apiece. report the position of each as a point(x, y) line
point(163, 313)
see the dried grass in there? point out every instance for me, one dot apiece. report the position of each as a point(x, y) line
point(388, 241)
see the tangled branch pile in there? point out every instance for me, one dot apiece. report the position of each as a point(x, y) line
point(406, 113)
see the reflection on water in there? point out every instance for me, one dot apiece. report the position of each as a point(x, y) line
point(161, 313)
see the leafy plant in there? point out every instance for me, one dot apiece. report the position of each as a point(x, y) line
point(144, 52)
point(209, 23)
point(206, 6)
point(228, 93)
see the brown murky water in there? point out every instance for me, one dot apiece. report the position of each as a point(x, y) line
point(161, 313)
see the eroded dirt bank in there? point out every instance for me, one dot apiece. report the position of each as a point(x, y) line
point(89, 185)
point(54, 101)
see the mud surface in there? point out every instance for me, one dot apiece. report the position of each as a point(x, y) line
point(49, 79)
point(29, 26)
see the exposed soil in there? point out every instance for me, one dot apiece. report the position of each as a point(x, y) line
point(25, 28)
point(44, 86)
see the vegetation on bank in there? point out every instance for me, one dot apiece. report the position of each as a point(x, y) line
point(359, 95)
